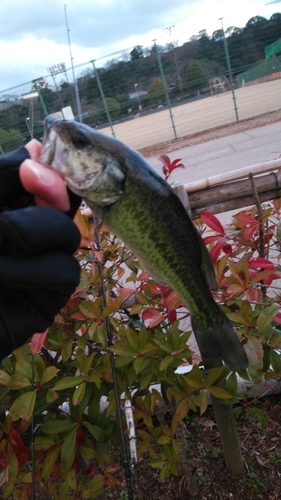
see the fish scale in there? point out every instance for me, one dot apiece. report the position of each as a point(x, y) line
point(141, 208)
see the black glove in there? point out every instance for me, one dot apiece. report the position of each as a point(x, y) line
point(37, 270)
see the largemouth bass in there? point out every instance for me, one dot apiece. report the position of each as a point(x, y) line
point(141, 208)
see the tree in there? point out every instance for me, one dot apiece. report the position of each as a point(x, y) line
point(136, 53)
point(10, 140)
point(196, 76)
point(156, 91)
point(113, 107)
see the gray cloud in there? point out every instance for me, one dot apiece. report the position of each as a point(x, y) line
point(92, 23)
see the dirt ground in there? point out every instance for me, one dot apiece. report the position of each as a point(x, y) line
point(215, 133)
point(259, 430)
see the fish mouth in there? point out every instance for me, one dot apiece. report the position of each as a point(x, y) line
point(48, 151)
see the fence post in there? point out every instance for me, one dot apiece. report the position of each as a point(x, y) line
point(229, 69)
point(165, 88)
point(103, 98)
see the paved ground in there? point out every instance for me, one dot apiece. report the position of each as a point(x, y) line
point(227, 153)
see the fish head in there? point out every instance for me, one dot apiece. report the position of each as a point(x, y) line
point(88, 169)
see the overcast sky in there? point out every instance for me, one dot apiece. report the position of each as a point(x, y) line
point(33, 34)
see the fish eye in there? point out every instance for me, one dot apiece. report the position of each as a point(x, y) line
point(79, 141)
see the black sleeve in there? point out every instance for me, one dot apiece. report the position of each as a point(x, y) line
point(38, 272)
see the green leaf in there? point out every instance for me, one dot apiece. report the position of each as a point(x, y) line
point(49, 373)
point(163, 440)
point(254, 349)
point(4, 378)
point(94, 487)
point(157, 464)
point(140, 363)
point(48, 463)
point(13, 468)
point(203, 402)
point(144, 380)
point(51, 396)
point(43, 443)
point(23, 368)
point(166, 362)
point(94, 430)
point(231, 384)
point(213, 375)
point(275, 361)
point(87, 453)
point(67, 382)
point(66, 351)
point(133, 339)
point(122, 348)
point(68, 449)
point(57, 426)
point(19, 382)
point(78, 394)
point(219, 392)
point(267, 316)
point(23, 406)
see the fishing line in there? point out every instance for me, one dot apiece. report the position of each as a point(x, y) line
point(114, 372)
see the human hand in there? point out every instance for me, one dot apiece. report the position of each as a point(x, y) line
point(38, 272)
point(46, 185)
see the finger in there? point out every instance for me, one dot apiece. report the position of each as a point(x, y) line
point(46, 185)
point(34, 148)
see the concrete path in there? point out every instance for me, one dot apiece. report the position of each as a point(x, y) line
point(228, 153)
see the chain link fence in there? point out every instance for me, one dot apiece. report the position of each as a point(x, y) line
point(143, 96)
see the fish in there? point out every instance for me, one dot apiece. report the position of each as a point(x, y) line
point(141, 208)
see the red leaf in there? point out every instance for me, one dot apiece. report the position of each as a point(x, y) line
point(227, 249)
point(127, 292)
point(216, 251)
point(277, 318)
point(166, 172)
point(168, 165)
point(172, 316)
point(4, 463)
point(165, 160)
point(211, 221)
point(260, 263)
point(175, 164)
point(211, 239)
point(37, 341)
point(22, 458)
point(15, 440)
point(153, 317)
point(143, 276)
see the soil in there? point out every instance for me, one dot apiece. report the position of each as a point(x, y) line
point(216, 133)
point(259, 430)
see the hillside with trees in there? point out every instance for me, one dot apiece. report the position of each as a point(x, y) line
point(187, 68)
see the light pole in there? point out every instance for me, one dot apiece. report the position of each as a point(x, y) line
point(169, 30)
point(56, 70)
point(78, 104)
point(29, 129)
point(138, 96)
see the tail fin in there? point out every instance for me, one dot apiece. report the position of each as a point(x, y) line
point(221, 342)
